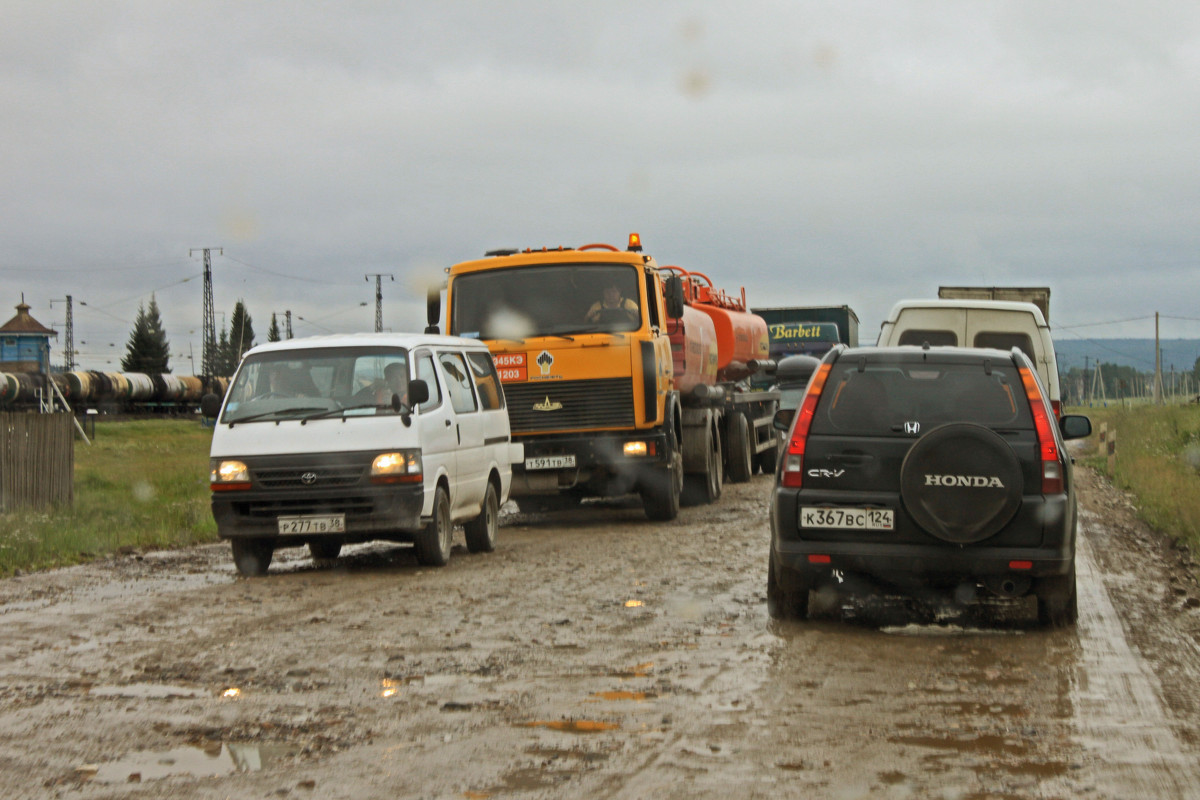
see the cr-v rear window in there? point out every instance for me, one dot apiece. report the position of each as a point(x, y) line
point(903, 399)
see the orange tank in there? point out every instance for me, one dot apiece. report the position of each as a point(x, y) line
point(693, 350)
point(741, 337)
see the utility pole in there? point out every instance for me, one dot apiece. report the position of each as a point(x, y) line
point(379, 298)
point(287, 315)
point(68, 338)
point(208, 357)
point(1158, 385)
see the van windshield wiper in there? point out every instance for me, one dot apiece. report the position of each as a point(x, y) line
point(276, 412)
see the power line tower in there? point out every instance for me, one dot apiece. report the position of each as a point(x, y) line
point(68, 337)
point(379, 298)
point(208, 358)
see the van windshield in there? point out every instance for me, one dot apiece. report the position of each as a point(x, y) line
point(545, 300)
point(299, 383)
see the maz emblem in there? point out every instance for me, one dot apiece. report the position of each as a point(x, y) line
point(547, 405)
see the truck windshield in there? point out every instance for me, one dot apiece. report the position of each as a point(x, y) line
point(545, 300)
point(300, 383)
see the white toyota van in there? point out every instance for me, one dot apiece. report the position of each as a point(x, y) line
point(333, 440)
point(977, 323)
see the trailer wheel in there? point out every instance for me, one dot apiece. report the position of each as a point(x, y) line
point(705, 487)
point(252, 556)
point(740, 456)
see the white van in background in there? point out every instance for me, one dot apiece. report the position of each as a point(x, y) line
point(977, 323)
point(333, 440)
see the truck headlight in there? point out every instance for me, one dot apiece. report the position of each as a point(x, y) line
point(402, 466)
point(636, 449)
point(228, 475)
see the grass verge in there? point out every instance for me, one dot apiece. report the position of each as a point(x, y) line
point(1157, 458)
point(142, 484)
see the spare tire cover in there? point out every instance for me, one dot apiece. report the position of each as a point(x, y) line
point(961, 482)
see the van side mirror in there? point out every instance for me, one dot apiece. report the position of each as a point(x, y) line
point(210, 405)
point(418, 391)
point(673, 295)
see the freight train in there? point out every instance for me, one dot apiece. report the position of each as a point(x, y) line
point(109, 392)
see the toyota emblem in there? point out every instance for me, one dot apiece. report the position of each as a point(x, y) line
point(308, 478)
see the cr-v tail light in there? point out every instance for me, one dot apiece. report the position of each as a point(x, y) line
point(1052, 468)
point(792, 474)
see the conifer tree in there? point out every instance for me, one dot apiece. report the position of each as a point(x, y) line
point(273, 331)
point(241, 334)
point(147, 350)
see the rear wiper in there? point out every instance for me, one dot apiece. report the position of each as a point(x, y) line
point(276, 412)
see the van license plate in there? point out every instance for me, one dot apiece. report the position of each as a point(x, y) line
point(866, 519)
point(331, 523)
point(550, 462)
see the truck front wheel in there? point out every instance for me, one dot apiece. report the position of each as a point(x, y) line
point(661, 489)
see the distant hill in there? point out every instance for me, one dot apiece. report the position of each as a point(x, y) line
point(1181, 354)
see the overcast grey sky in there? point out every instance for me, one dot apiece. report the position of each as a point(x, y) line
point(814, 152)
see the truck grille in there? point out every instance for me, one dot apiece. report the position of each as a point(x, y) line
point(571, 405)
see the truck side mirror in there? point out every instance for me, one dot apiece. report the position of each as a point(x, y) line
point(673, 294)
point(783, 419)
point(418, 391)
point(433, 309)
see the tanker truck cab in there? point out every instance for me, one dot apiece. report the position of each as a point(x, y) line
point(580, 343)
point(336, 440)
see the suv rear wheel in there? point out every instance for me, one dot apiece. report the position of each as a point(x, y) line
point(1057, 600)
point(787, 598)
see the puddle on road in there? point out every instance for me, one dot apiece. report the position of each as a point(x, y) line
point(199, 762)
point(147, 691)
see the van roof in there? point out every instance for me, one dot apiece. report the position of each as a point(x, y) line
point(997, 305)
point(406, 340)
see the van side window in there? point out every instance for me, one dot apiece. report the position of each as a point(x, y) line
point(483, 370)
point(458, 382)
point(935, 338)
point(1006, 340)
point(427, 373)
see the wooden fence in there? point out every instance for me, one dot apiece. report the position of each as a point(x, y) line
point(37, 460)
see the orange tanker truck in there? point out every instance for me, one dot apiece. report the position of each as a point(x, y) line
point(620, 376)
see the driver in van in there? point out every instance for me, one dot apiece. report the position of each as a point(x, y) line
point(612, 306)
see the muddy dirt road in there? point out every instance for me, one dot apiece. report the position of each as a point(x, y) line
point(594, 654)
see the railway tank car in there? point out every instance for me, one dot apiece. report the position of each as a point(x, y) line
point(109, 392)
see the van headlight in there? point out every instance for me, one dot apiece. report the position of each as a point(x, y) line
point(227, 475)
point(401, 466)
